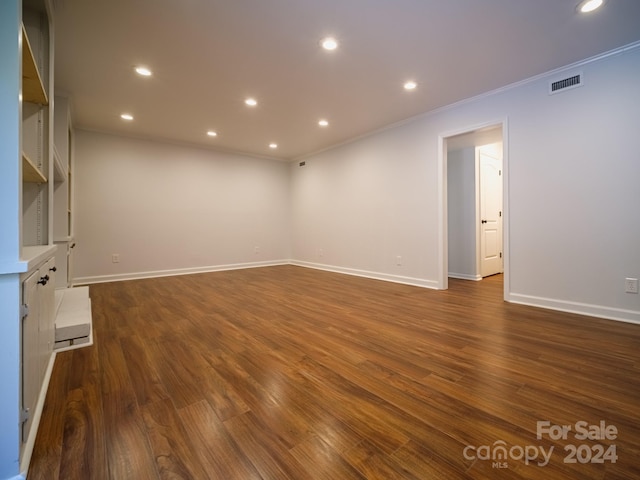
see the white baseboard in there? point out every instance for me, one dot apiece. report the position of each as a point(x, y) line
point(416, 282)
point(610, 313)
point(465, 276)
point(170, 273)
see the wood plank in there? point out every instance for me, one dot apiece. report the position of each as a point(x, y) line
point(32, 87)
point(146, 382)
point(84, 452)
point(171, 444)
point(292, 373)
point(31, 173)
point(128, 445)
point(267, 453)
point(47, 453)
point(216, 450)
point(325, 463)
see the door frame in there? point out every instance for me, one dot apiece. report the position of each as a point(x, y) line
point(443, 237)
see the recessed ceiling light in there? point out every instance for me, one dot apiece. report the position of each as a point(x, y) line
point(252, 102)
point(144, 71)
point(273, 145)
point(323, 123)
point(329, 43)
point(211, 133)
point(410, 85)
point(587, 6)
point(126, 116)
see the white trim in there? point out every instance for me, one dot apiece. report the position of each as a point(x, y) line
point(465, 276)
point(465, 101)
point(416, 282)
point(506, 222)
point(169, 273)
point(443, 224)
point(598, 311)
point(609, 313)
point(477, 212)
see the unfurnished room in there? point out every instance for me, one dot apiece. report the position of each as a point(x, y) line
point(309, 240)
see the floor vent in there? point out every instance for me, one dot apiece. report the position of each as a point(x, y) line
point(565, 84)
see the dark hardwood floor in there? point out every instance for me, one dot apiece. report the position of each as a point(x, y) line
point(292, 373)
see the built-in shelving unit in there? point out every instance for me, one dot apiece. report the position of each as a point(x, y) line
point(36, 263)
point(35, 181)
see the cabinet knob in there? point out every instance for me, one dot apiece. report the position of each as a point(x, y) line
point(53, 269)
point(43, 280)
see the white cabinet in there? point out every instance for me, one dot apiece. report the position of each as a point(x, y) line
point(29, 354)
point(37, 334)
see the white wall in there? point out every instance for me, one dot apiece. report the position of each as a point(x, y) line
point(174, 209)
point(358, 207)
point(573, 192)
point(461, 213)
point(372, 207)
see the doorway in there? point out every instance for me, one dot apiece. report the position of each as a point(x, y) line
point(473, 203)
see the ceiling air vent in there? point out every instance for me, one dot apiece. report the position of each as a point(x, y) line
point(565, 84)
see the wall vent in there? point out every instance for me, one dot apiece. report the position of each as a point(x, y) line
point(568, 83)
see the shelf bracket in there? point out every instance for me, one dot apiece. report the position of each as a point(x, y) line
point(25, 414)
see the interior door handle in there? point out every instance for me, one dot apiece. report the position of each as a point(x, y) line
point(483, 221)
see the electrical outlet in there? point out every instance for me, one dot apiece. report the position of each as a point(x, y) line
point(320, 252)
point(115, 258)
point(631, 285)
point(398, 260)
point(256, 250)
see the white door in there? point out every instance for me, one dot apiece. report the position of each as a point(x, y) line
point(490, 169)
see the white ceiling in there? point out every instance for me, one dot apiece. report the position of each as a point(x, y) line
point(209, 55)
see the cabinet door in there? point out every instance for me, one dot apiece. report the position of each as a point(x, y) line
point(29, 355)
point(47, 315)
